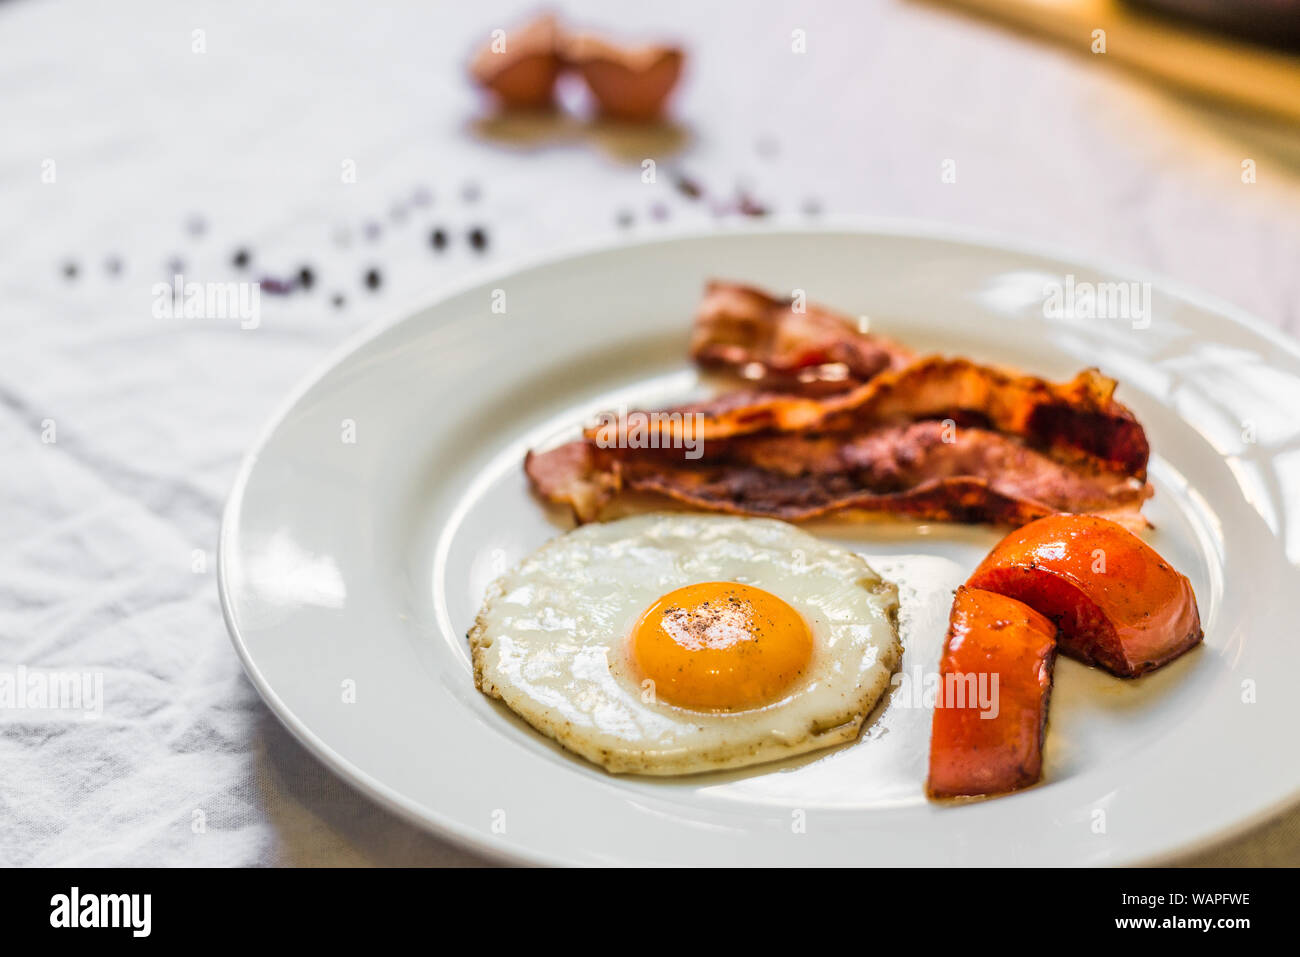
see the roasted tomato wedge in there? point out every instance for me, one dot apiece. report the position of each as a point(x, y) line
point(1116, 602)
point(991, 709)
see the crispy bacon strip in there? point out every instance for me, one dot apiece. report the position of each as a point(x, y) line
point(923, 469)
point(764, 340)
point(577, 474)
point(1079, 416)
point(935, 438)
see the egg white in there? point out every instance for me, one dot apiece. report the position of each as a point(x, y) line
point(552, 641)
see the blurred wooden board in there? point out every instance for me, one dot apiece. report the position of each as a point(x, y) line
point(1194, 59)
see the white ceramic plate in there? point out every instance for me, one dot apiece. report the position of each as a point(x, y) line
point(351, 570)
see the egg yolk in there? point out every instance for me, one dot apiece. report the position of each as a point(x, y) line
point(721, 646)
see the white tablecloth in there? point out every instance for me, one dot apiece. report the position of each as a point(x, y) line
point(165, 135)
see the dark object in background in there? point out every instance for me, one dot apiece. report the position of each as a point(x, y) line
point(478, 239)
point(373, 279)
point(306, 278)
point(747, 205)
point(274, 286)
point(438, 239)
point(1274, 22)
point(687, 186)
point(241, 259)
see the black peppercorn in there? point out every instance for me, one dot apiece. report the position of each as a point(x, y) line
point(688, 187)
point(746, 205)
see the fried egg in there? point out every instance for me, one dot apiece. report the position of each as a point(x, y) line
point(673, 643)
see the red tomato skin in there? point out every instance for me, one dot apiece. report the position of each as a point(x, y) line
point(978, 750)
point(1116, 602)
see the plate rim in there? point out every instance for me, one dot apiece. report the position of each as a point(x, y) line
point(430, 819)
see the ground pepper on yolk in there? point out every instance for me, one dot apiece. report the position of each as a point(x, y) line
point(721, 646)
